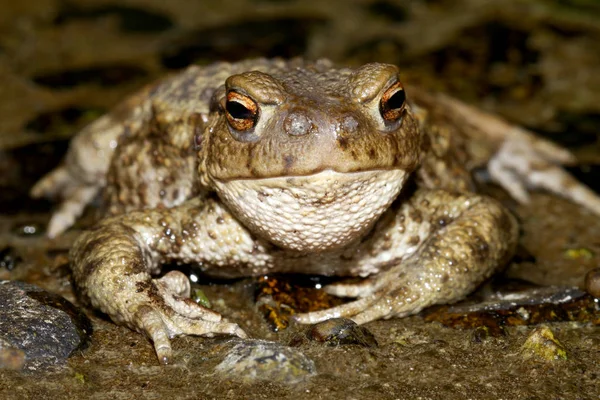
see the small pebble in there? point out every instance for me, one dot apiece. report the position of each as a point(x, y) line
point(261, 360)
point(541, 344)
point(480, 334)
point(592, 282)
point(336, 332)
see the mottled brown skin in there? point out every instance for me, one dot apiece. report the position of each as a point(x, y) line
point(433, 244)
point(338, 97)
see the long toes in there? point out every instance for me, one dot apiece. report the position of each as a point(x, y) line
point(52, 184)
point(531, 162)
point(586, 197)
point(169, 290)
point(190, 309)
point(151, 322)
point(559, 181)
point(162, 325)
point(60, 222)
point(359, 289)
point(344, 310)
point(549, 150)
point(508, 179)
point(71, 208)
point(199, 327)
point(378, 310)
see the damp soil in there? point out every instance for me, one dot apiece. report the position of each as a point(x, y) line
point(62, 64)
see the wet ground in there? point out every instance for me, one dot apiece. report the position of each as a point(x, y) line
point(62, 64)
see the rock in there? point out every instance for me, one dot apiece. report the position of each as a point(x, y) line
point(481, 334)
point(516, 306)
point(43, 327)
point(336, 332)
point(255, 360)
point(592, 282)
point(542, 345)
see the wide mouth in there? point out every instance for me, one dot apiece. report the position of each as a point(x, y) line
point(318, 212)
point(311, 177)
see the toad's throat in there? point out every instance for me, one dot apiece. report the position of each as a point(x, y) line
point(314, 213)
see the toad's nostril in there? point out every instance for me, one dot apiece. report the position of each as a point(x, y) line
point(349, 124)
point(298, 124)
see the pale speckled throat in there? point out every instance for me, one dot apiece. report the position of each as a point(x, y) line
point(319, 212)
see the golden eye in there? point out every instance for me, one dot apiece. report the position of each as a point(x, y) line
point(393, 103)
point(241, 111)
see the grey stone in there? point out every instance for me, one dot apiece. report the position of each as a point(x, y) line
point(253, 360)
point(44, 326)
point(336, 332)
point(510, 299)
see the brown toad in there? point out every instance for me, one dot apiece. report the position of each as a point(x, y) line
point(291, 166)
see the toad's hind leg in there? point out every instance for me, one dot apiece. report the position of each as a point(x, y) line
point(83, 173)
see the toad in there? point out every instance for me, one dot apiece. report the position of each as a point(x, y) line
point(263, 166)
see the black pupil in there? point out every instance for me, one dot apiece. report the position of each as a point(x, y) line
point(397, 100)
point(237, 110)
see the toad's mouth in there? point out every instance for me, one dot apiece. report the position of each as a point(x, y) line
point(313, 213)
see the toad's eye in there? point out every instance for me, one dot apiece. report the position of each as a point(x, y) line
point(241, 111)
point(393, 103)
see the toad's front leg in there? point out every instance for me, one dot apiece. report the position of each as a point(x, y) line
point(113, 265)
point(471, 237)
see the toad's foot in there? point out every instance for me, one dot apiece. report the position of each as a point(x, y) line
point(384, 296)
point(477, 236)
point(112, 266)
point(525, 161)
point(75, 196)
point(389, 294)
point(163, 310)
